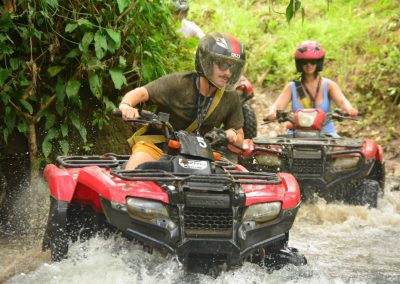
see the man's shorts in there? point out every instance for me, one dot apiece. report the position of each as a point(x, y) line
point(149, 148)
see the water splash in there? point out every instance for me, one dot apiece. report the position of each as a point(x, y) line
point(343, 244)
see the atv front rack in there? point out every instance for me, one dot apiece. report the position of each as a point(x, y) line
point(286, 140)
point(108, 160)
point(228, 177)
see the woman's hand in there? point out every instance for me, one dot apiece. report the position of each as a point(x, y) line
point(270, 117)
point(352, 112)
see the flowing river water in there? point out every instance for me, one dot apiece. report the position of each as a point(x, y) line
point(343, 244)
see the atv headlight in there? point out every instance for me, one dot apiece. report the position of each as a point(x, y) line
point(268, 160)
point(344, 163)
point(262, 212)
point(146, 209)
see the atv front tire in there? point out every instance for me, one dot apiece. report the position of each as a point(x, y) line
point(250, 122)
point(365, 193)
point(56, 237)
point(278, 259)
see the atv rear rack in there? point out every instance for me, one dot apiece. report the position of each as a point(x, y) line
point(108, 160)
point(228, 177)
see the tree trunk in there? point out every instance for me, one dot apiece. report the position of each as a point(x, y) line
point(33, 154)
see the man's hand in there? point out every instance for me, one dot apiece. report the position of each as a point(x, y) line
point(232, 135)
point(128, 112)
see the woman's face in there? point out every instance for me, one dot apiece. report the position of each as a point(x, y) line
point(309, 66)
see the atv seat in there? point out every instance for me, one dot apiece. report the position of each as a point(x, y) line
point(164, 164)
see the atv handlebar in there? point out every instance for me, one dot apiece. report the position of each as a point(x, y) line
point(216, 137)
point(337, 114)
point(160, 121)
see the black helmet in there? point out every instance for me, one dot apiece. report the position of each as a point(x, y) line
point(180, 6)
point(216, 48)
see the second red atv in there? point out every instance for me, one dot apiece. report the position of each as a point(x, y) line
point(346, 169)
point(191, 203)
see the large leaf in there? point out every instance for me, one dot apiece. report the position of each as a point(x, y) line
point(27, 106)
point(115, 36)
point(54, 70)
point(122, 62)
point(147, 71)
point(22, 126)
point(72, 88)
point(72, 53)
point(117, 77)
point(16, 63)
point(52, 3)
point(86, 41)
point(122, 4)
point(69, 28)
point(64, 146)
point(47, 147)
point(64, 129)
point(50, 120)
point(100, 44)
point(77, 124)
point(4, 74)
point(85, 23)
point(290, 12)
point(96, 85)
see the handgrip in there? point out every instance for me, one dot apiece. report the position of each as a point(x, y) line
point(116, 112)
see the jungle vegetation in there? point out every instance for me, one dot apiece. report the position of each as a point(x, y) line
point(65, 64)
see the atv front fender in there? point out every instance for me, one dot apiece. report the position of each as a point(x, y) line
point(372, 150)
point(61, 184)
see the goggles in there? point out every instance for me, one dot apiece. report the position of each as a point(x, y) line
point(308, 61)
point(224, 65)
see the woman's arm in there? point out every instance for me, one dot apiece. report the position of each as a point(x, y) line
point(339, 98)
point(280, 103)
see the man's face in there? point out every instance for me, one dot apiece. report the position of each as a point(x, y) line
point(222, 72)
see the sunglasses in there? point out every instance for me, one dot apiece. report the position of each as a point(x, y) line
point(308, 61)
point(223, 65)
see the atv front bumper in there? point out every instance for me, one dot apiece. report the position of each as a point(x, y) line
point(172, 238)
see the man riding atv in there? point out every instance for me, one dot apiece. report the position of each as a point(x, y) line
point(197, 101)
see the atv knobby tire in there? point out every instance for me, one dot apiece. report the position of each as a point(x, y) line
point(68, 223)
point(250, 121)
point(365, 193)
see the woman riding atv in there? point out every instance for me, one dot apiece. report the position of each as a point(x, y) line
point(309, 57)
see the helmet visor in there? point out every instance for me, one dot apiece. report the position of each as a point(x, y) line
point(213, 64)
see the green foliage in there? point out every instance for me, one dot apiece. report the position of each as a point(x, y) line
point(59, 57)
point(361, 39)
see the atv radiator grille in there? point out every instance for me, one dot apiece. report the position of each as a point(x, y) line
point(208, 223)
point(307, 167)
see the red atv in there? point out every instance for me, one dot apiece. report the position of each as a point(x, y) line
point(336, 168)
point(190, 203)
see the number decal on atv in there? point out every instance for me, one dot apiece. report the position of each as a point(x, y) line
point(201, 141)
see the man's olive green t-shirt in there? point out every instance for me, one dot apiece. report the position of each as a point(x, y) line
point(176, 94)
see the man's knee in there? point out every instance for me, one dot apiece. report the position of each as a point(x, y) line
point(143, 151)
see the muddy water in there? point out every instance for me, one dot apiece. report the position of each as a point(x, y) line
point(343, 244)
